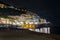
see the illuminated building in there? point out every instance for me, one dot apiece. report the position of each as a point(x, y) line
point(27, 20)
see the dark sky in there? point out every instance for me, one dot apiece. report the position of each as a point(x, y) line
point(44, 8)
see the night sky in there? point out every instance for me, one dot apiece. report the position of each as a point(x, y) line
point(44, 8)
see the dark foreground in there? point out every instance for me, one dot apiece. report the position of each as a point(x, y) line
point(27, 35)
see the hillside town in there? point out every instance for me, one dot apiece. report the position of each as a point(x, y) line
point(27, 20)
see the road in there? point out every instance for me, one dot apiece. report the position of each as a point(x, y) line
point(27, 35)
